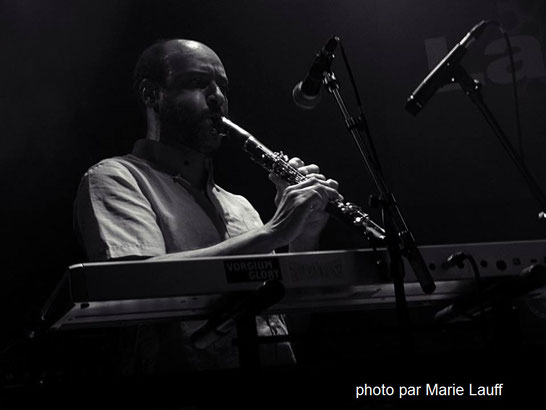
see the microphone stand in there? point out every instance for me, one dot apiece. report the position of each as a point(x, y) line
point(472, 88)
point(400, 241)
point(240, 313)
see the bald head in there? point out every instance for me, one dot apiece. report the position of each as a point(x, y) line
point(186, 47)
point(155, 64)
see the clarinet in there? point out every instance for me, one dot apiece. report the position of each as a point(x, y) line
point(277, 163)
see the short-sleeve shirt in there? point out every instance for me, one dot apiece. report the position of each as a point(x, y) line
point(138, 205)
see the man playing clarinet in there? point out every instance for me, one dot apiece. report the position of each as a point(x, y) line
point(161, 201)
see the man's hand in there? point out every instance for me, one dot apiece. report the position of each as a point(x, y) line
point(300, 215)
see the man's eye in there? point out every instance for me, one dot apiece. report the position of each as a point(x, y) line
point(197, 82)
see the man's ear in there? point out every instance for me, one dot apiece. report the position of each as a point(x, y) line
point(149, 94)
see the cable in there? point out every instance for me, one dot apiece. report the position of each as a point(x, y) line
point(514, 87)
point(362, 122)
point(457, 259)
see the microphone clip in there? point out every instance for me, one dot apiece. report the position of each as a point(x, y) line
point(355, 123)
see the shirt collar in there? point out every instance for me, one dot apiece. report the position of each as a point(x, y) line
point(168, 159)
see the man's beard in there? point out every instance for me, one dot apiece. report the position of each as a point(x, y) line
point(189, 131)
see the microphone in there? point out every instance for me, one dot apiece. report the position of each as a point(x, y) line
point(306, 93)
point(439, 76)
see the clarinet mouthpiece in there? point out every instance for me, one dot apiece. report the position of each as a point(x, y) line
point(235, 131)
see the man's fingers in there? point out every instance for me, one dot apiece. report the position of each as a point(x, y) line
point(309, 169)
point(316, 175)
point(296, 162)
point(314, 197)
point(329, 186)
point(332, 183)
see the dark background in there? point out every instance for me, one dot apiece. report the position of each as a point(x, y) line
point(67, 102)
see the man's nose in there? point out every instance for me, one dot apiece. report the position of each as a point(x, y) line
point(215, 97)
